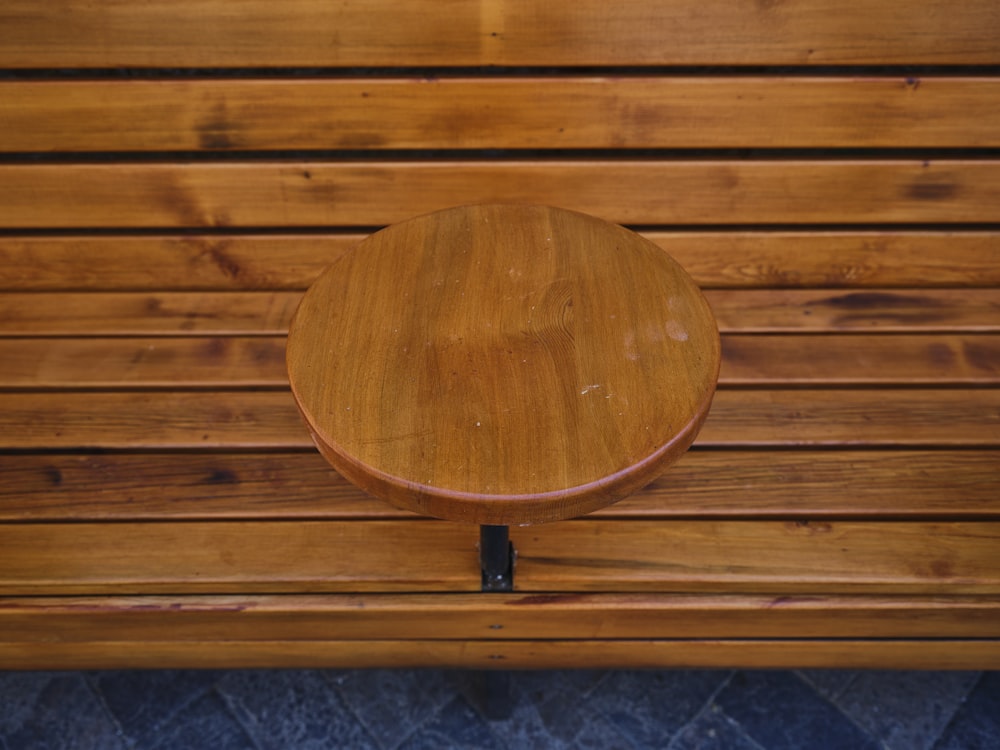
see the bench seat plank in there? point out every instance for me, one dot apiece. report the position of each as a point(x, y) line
point(238, 557)
point(265, 419)
point(363, 193)
point(269, 313)
point(715, 259)
point(578, 113)
point(259, 361)
point(772, 653)
point(502, 617)
point(793, 556)
point(765, 557)
point(208, 33)
point(705, 484)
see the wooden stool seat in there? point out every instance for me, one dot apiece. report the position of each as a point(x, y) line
point(503, 364)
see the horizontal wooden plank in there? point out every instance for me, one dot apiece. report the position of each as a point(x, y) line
point(834, 359)
point(501, 617)
point(238, 557)
point(221, 653)
point(881, 484)
point(211, 33)
point(269, 419)
point(362, 193)
point(873, 310)
point(763, 557)
point(143, 313)
point(192, 263)
point(747, 359)
point(917, 417)
point(206, 420)
point(803, 556)
point(735, 259)
point(520, 113)
point(197, 362)
point(780, 260)
point(269, 313)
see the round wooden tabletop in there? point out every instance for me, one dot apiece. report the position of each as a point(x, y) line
point(503, 364)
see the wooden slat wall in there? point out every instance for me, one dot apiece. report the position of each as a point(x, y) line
point(173, 175)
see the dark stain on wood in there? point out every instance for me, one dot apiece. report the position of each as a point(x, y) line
point(539, 599)
point(215, 348)
point(214, 140)
point(982, 356)
point(868, 301)
point(941, 355)
point(54, 475)
point(733, 351)
point(266, 352)
point(931, 191)
point(216, 251)
point(176, 200)
point(874, 308)
point(223, 476)
point(941, 569)
point(215, 132)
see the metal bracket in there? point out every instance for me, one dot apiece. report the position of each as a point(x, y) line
point(496, 558)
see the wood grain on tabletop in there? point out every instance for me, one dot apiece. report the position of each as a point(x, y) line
point(943, 558)
point(367, 193)
point(207, 33)
point(859, 483)
point(526, 364)
point(717, 259)
point(521, 113)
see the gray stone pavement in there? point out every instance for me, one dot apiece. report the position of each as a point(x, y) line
point(410, 709)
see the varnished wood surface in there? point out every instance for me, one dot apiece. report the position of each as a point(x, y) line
point(766, 417)
point(715, 259)
point(504, 617)
point(801, 484)
point(269, 313)
point(528, 364)
point(811, 359)
point(518, 113)
point(147, 313)
point(852, 359)
point(773, 653)
point(363, 193)
point(754, 557)
point(208, 33)
point(185, 263)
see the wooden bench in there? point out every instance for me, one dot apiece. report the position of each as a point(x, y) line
point(175, 173)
